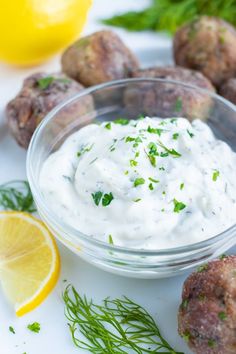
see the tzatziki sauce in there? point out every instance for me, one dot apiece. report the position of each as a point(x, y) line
point(150, 183)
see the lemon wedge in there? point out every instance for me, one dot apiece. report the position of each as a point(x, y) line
point(29, 260)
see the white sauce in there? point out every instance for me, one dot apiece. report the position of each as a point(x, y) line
point(190, 198)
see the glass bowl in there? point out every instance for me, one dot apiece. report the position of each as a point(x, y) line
point(130, 98)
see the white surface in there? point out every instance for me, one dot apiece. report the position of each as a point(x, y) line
point(160, 297)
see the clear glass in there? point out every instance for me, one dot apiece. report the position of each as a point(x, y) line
point(130, 98)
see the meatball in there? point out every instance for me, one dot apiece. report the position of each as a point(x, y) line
point(39, 94)
point(207, 315)
point(166, 99)
point(98, 58)
point(207, 44)
point(228, 90)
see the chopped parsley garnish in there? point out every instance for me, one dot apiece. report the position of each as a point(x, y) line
point(215, 175)
point(164, 154)
point(105, 198)
point(153, 180)
point(211, 343)
point(137, 154)
point(110, 240)
point(97, 196)
point(154, 130)
point(34, 327)
point(151, 186)
point(45, 82)
point(139, 181)
point(181, 186)
point(129, 139)
point(169, 151)
point(202, 268)
point(108, 126)
point(132, 139)
point(186, 336)
point(121, 121)
point(222, 316)
point(164, 193)
point(161, 168)
point(83, 150)
point(11, 329)
point(175, 136)
point(152, 153)
point(137, 200)
point(126, 172)
point(178, 104)
point(173, 120)
point(133, 163)
point(178, 206)
point(190, 134)
point(112, 147)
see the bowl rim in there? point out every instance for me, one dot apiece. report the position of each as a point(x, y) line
point(75, 233)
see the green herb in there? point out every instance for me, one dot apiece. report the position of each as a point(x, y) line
point(151, 186)
point(161, 168)
point(16, 195)
point(164, 154)
point(186, 336)
point(116, 326)
point(152, 153)
point(139, 181)
point(107, 198)
point(153, 180)
point(108, 126)
point(202, 268)
point(84, 150)
point(169, 151)
point(126, 172)
point(190, 134)
point(133, 163)
point(137, 200)
point(223, 256)
point(173, 120)
point(45, 82)
point(178, 104)
point(154, 130)
point(34, 327)
point(215, 175)
point(129, 139)
point(222, 316)
point(184, 304)
point(175, 136)
point(137, 154)
point(169, 15)
point(110, 240)
point(11, 329)
point(121, 121)
point(178, 206)
point(164, 193)
point(97, 196)
point(181, 186)
point(211, 343)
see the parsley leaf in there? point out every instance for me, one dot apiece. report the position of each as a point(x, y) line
point(84, 150)
point(181, 186)
point(178, 206)
point(138, 181)
point(133, 163)
point(34, 327)
point(151, 186)
point(222, 316)
point(215, 175)
point(97, 196)
point(175, 136)
point(107, 198)
point(169, 151)
point(108, 126)
point(154, 130)
point(110, 240)
point(153, 180)
point(45, 82)
point(11, 329)
point(190, 134)
point(121, 121)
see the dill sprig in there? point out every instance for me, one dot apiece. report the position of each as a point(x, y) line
point(168, 15)
point(16, 195)
point(113, 327)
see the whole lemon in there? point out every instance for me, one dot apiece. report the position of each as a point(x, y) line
point(33, 30)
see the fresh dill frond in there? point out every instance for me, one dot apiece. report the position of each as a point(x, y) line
point(114, 327)
point(16, 195)
point(169, 15)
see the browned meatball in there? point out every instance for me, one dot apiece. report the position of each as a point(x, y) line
point(39, 94)
point(207, 44)
point(98, 58)
point(228, 90)
point(207, 315)
point(166, 99)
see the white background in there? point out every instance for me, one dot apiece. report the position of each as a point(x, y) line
point(160, 297)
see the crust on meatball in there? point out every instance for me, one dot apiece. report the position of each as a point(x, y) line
point(228, 90)
point(207, 315)
point(166, 99)
point(39, 94)
point(207, 44)
point(97, 58)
